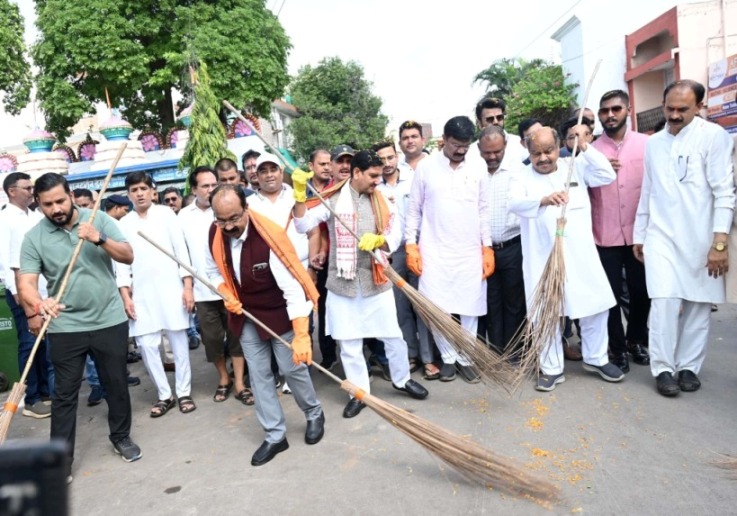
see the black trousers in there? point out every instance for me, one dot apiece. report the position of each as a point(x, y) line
point(327, 343)
point(614, 259)
point(109, 348)
point(505, 301)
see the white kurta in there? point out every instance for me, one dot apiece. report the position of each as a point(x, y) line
point(449, 212)
point(587, 290)
point(196, 225)
point(688, 194)
point(156, 281)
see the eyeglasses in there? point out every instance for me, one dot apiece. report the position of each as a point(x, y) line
point(170, 200)
point(614, 109)
point(458, 146)
point(231, 221)
point(493, 118)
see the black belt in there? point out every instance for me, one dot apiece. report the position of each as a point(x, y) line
point(511, 241)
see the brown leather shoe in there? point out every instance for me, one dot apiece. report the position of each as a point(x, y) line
point(169, 368)
point(571, 352)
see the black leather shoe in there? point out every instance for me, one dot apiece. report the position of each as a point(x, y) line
point(621, 361)
point(268, 451)
point(414, 389)
point(667, 385)
point(688, 381)
point(315, 429)
point(640, 356)
point(353, 408)
point(447, 372)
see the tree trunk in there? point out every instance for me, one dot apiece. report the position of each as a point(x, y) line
point(165, 108)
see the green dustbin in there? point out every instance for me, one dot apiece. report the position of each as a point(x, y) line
point(8, 342)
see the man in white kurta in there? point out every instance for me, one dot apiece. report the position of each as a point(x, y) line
point(448, 235)
point(156, 293)
point(536, 194)
point(683, 218)
point(359, 306)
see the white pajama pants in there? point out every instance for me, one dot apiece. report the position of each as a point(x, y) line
point(447, 351)
point(594, 344)
point(354, 362)
point(678, 339)
point(149, 347)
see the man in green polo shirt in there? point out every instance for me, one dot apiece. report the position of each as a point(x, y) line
point(90, 318)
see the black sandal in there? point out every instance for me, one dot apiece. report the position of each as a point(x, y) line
point(186, 405)
point(222, 393)
point(162, 406)
point(245, 397)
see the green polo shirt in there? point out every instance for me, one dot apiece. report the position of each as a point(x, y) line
point(91, 297)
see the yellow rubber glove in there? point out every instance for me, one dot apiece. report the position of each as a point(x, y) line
point(299, 184)
point(232, 304)
point(370, 241)
point(301, 344)
point(414, 260)
point(489, 262)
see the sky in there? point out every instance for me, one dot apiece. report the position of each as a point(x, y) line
point(420, 56)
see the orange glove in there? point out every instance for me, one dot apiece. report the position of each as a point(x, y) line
point(414, 260)
point(489, 263)
point(301, 344)
point(232, 304)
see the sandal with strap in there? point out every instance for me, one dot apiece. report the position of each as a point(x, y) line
point(161, 407)
point(245, 397)
point(431, 372)
point(414, 365)
point(186, 405)
point(222, 393)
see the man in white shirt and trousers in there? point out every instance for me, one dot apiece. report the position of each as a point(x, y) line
point(536, 194)
point(684, 215)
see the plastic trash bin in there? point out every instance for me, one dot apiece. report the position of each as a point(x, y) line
point(8, 342)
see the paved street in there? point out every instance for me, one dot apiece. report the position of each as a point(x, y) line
point(612, 449)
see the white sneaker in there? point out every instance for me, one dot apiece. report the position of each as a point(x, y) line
point(285, 388)
point(38, 410)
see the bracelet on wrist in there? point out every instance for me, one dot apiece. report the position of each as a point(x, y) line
point(29, 317)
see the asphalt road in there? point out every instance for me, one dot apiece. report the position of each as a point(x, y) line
point(611, 448)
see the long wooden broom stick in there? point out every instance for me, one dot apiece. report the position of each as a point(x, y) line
point(492, 367)
point(470, 459)
point(19, 388)
point(547, 306)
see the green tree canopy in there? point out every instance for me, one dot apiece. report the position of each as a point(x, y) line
point(140, 49)
point(15, 72)
point(531, 89)
point(337, 106)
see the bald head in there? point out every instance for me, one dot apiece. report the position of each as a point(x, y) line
point(229, 207)
point(544, 147)
point(492, 145)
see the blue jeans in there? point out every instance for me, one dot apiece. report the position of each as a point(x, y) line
point(37, 381)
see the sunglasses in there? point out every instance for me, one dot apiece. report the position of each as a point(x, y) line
point(614, 109)
point(170, 200)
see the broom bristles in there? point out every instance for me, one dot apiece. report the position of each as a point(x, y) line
point(474, 462)
point(491, 366)
point(544, 315)
point(6, 417)
point(727, 462)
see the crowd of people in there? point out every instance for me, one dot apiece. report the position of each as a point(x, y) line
point(470, 225)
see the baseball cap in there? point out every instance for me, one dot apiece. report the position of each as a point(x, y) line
point(342, 150)
point(267, 157)
point(117, 200)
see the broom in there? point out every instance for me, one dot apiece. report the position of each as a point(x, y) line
point(19, 388)
point(547, 306)
point(470, 459)
point(492, 367)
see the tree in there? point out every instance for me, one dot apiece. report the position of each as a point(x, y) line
point(531, 89)
point(15, 72)
point(140, 49)
point(337, 106)
point(207, 141)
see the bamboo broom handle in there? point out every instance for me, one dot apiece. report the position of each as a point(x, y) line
point(575, 141)
point(214, 289)
point(68, 272)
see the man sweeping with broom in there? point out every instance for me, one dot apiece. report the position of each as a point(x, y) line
point(534, 195)
point(360, 300)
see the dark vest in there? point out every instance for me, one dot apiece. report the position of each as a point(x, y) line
point(257, 291)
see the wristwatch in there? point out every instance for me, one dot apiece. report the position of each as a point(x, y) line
point(102, 239)
point(719, 246)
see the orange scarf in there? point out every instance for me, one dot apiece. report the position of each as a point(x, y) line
point(279, 243)
point(382, 216)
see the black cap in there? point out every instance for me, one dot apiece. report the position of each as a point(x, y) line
point(342, 150)
point(117, 200)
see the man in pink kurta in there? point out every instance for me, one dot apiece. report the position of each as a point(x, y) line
point(613, 209)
